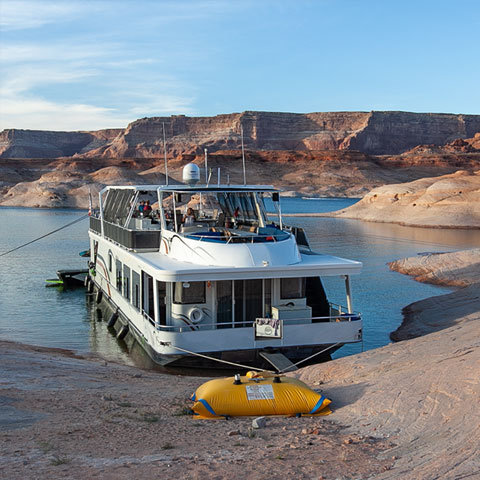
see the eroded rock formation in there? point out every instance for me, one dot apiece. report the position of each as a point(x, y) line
point(16, 143)
point(376, 133)
point(450, 201)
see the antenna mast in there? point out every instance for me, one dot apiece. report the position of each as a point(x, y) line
point(206, 166)
point(165, 154)
point(243, 158)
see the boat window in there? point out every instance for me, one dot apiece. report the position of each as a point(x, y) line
point(110, 261)
point(118, 268)
point(117, 205)
point(239, 207)
point(292, 288)
point(162, 302)
point(189, 292)
point(136, 289)
point(145, 205)
point(205, 209)
point(126, 282)
point(147, 289)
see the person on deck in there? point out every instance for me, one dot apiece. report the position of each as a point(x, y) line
point(189, 218)
point(147, 209)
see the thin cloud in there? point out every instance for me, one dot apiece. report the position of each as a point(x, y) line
point(29, 77)
point(24, 14)
point(36, 113)
point(162, 105)
point(28, 52)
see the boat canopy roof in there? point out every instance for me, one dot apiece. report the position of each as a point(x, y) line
point(311, 265)
point(193, 188)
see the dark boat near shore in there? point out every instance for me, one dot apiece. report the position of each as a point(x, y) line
point(68, 278)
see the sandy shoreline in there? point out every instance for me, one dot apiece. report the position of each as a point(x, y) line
point(63, 416)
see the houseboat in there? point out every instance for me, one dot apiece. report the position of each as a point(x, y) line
point(205, 275)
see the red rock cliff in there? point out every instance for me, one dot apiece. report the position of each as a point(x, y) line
point(370, 132)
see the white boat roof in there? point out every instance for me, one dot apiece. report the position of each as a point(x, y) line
point(312, 265)
point(195, 188)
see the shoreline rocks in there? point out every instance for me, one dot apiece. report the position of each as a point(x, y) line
point(448, 201)
point(457, 269)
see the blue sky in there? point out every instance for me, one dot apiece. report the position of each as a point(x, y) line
point(86, 65)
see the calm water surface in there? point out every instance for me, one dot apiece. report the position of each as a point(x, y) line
point(33, 314)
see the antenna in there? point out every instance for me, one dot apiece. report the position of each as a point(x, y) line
point(165, 154)
point(206, 166)
point(243, 158)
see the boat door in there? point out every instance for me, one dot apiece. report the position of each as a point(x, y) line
point(240, 302)
point(248, 301)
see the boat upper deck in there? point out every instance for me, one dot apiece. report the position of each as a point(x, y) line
point(189, 232)
point(134, 216)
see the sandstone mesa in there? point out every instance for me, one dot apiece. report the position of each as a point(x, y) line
point(342, 154)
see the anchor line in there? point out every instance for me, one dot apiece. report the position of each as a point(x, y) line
point(46, 235)
point(308, 358)
point(168, 344)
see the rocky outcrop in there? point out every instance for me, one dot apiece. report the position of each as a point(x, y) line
point(45, 144)
point(373, 133)
point(457, 269)
point(262, 131)
point(336, 173)
point(395, 132)
point(449, 201)
point(377, 133)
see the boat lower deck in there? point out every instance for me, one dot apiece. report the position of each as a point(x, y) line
point(256, 358)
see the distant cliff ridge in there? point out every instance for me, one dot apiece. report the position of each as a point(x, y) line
point(374, 133)
point(15, 143)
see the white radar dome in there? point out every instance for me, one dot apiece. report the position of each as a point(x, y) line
point(191, 174)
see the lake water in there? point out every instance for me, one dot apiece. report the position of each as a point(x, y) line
point(33, 314)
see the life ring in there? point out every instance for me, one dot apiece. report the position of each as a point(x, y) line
point(195, 315)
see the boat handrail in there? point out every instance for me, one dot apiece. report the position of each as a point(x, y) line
point(235, 238)
point(344, 317)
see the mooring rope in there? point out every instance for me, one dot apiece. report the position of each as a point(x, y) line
point(46, 235)
point(308, 358)
point(246, 366)
point(213, 358)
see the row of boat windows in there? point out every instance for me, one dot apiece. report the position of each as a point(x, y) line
point(246, 297)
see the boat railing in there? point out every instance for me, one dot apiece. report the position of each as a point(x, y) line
point(339, 317)
point(131, 239)
point(233, 237)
